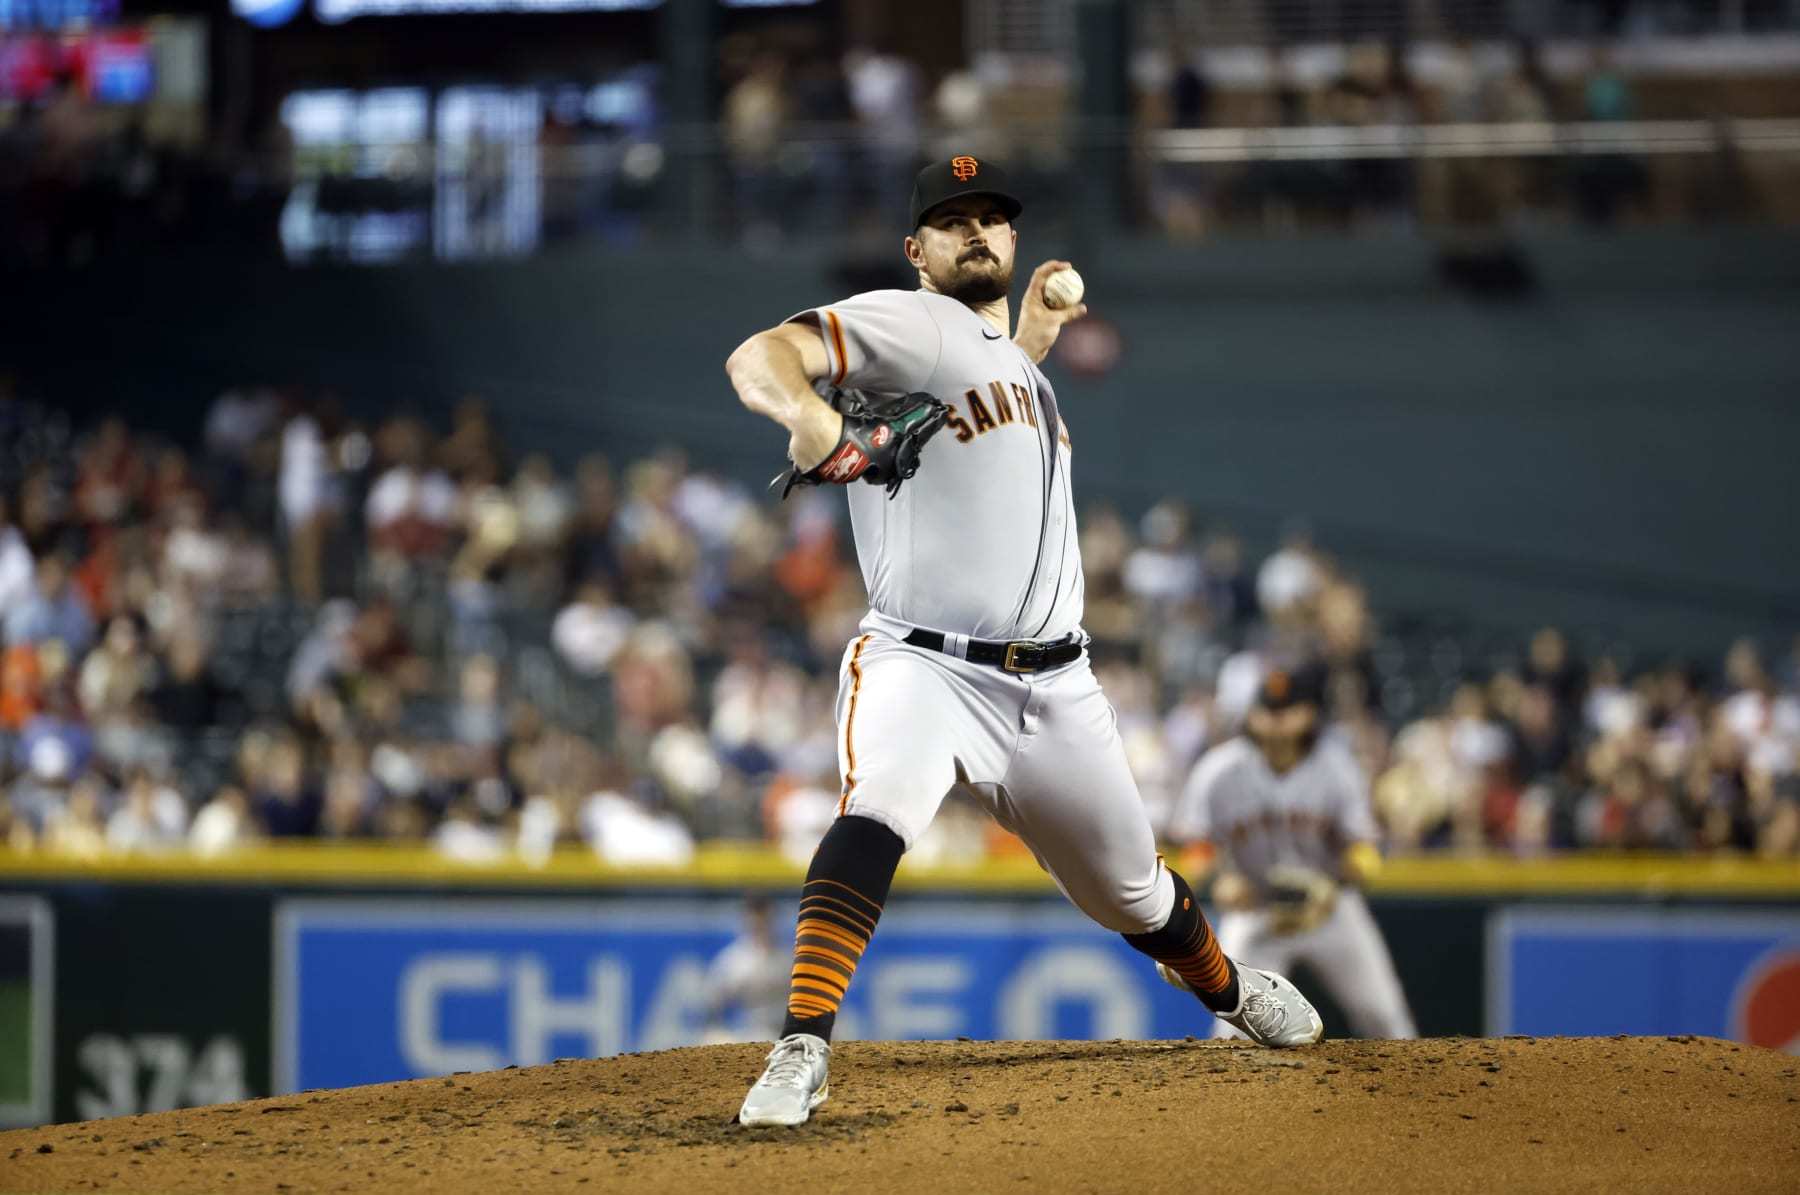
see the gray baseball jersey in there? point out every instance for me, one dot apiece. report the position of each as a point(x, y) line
point(981, 543)
point(982, 540)
point(1260, 819)
point(1306, 817)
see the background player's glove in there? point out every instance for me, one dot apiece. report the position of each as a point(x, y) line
point(880, 443)
point(1299, 898)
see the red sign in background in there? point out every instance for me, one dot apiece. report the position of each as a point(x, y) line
point(1766, 1009)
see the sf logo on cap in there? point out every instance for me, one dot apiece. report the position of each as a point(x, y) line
point(964, 167)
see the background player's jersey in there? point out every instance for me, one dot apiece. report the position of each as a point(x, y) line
point(1259, 820)
point(751, 977)
point(982, 541)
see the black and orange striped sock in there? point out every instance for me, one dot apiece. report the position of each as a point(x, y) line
point(845, 888)
point(1187, 947)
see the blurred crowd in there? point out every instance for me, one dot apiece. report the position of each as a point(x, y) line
point(310, 626)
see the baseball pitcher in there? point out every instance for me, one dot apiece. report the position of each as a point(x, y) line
point(1286, 821)
point(971, 670)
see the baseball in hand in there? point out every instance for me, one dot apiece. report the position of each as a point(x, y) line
point(1063, 289)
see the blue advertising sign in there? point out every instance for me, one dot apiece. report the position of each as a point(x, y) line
point(368, 991)
point(1584, 970)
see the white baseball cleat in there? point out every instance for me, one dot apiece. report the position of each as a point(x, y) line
point(1271, 1011)
point(792, 1085)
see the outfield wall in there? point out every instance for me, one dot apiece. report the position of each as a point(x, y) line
point(142, 984)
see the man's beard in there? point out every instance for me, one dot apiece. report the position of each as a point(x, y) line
point(1285, 752)
point(974, 286)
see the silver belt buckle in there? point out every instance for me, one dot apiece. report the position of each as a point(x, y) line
point(1011, 665)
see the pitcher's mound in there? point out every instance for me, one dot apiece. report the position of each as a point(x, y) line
point(1608, 1114)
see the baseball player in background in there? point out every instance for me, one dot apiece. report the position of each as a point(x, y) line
point(746, 983)
point(971, 672)
point(1283, 819)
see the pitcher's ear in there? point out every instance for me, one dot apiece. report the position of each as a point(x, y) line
point(915, 252)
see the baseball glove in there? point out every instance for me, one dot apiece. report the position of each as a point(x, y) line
point(880, 443)
point(1299, 898)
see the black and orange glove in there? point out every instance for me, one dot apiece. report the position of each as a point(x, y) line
point(1300, 898)
point(880, 444)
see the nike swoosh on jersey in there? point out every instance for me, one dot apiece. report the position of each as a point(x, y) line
point(987, 335)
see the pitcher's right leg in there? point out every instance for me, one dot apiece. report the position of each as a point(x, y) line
point(905, 720)
point(846, 887)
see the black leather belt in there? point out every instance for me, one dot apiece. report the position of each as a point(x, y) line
point(1018, 656)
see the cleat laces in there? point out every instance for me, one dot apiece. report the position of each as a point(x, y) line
point(790, 1065)
point(1264, 1012)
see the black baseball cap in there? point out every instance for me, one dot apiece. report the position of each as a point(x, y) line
point(954, 177)
point(1282, 687)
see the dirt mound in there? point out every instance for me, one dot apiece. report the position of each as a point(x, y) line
point(1441, 1115)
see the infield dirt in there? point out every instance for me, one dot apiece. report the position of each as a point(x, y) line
point(1516, 1114)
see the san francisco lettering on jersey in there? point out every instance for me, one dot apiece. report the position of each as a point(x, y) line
point(1016, 572)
